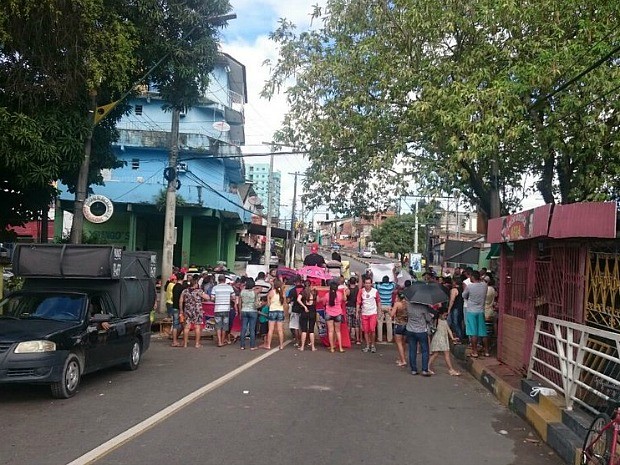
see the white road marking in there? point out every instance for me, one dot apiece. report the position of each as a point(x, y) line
point(160, 416)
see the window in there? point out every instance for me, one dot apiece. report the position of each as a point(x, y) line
point(138, 110)
point(135, 163)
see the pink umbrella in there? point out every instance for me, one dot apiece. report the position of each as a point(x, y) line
point(287, 274)
point(315, 272)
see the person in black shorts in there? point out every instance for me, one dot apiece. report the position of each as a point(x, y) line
point(353, 319)
point(307, 319)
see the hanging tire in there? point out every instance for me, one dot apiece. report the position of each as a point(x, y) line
point(135, 356)
point(70, 379)
point(597, 444)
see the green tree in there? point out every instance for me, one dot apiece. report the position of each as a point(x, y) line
point(443, 91)
point(54, 56)
point(395, 235)
point(51, 55)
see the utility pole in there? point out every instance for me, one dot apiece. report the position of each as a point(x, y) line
point(171, 204)
point(269, 214)
point(302, 232)
point(416, 228)
point(77, 226)
point(292, 244)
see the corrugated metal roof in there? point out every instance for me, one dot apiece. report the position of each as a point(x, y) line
point(586, 219)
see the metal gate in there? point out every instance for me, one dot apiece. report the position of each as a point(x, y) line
point(543, 278)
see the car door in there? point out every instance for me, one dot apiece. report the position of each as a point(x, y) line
point(118, 340)
point(96, 347)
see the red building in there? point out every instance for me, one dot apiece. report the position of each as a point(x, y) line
point(561, 261)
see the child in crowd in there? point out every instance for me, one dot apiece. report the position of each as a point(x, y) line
point(441, 343)
point(263, 318)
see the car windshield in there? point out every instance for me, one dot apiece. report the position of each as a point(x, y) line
point(59, 307)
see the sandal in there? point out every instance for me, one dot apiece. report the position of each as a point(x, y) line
point(455, 373)
point(474, 355)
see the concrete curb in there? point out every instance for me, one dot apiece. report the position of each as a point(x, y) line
point(562, 430)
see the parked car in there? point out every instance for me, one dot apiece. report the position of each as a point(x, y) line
point(275, 260)
point(82, 308)
point(365, 253)
point(336, 246)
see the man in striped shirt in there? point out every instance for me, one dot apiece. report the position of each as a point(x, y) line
point(386, 289)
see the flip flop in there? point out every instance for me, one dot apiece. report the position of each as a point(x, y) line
point(455, 373)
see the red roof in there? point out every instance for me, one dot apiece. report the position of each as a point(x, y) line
point(585, 219)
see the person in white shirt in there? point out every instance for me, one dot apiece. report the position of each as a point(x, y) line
point(224, 296)
point(368, 304)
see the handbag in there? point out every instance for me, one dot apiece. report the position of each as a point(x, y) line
point(431, 328)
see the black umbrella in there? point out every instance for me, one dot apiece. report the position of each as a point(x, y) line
point(410, 290)
point(426, 293)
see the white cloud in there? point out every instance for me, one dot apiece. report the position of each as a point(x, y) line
point(263, 117)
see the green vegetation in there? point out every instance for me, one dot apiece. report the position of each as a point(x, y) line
point(55, 56)
point(441, 91)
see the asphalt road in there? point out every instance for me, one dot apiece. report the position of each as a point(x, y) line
point(290, 407)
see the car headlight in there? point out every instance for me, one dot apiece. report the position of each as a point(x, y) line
point(30, 347)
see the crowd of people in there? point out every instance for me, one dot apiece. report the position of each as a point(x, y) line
point(254, 311)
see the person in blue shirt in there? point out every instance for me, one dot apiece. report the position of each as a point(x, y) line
point(386, 290)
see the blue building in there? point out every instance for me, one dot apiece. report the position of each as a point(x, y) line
point(210, 212)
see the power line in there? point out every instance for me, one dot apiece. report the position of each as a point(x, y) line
point(594, 100)
point(195, 178)
point(139, 185)
point(593, 66)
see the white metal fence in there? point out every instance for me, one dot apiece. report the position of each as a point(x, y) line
point(576, 360)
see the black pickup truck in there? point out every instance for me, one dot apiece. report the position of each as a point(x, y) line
point(82, 308)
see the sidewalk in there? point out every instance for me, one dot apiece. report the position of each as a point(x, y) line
point(562, 430)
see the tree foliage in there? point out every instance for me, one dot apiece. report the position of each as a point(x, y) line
point(396, 235)
point(384, 95)
point(53, 55)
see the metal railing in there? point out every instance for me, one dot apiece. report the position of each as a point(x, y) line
point(575, 360)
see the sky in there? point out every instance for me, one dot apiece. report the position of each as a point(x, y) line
point(247, 40)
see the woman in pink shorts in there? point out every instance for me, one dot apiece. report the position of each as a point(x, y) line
point(333, 315)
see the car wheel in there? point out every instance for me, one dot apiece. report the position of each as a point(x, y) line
point(135, 356)
point(70, 379)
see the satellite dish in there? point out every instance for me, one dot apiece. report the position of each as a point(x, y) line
point(221, 126)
